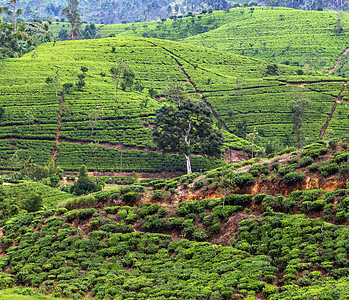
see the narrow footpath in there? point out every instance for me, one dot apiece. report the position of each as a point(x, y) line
point(338, 100)
point(345, 52)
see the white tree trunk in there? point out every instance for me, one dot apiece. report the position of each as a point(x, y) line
point(187, 158)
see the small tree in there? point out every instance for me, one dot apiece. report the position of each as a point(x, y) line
point(14, 161)
point(120, 69)
point(339, 23)
point(57, 80)
point(297, 108)
point(226, 184)
point(187, 128)
point(84, 185)
point(72, 13)
point(33, 202)
point(94, 117)
point(252, 137)
point(29, 115)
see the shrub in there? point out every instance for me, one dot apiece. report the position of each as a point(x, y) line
point(305, 161)
point(293, 178)
point(259, 198)
point(33, 202)
point(130, 197)
point(149, 210)
point(198, 184)
point(86, 213)
point(327, 169)
point(158, 195)
point(313, 168)
point(242, 179)
point(71, 215)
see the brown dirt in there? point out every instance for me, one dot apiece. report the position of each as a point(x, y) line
point(345, 52)
point(230, 228)
point(236, 156)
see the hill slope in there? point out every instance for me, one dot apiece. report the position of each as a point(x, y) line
point(283, 244)
point(304, 38)
point(237, 89)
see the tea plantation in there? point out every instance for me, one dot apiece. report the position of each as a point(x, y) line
point(134, 243)
point(243, 93)
point(302, 38)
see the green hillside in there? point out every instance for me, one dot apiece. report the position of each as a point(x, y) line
point(14, 194)
point(164, 242)
point(239, 90)
point(296, 37)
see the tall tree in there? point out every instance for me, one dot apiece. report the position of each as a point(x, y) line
point(72, 13)
point(297, 108)
point(94, 116)
point(13, 11)
point(119, 70)
point(187, 129)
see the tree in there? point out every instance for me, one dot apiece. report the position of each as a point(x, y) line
point(252, 137)
point(72, 13)
point(40, 31)
point(94, 116)
point(29, 114)
point(13, 12)
point(187, 128)
point(297, 108)
point(84, 185)
point(175, 93)
point(120, 69)
point(33, 203)
point(339, 23)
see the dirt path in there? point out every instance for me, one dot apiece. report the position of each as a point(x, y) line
point(99, 29)
point(202, 97)
point(345, 52)
point(55, 149)
point(338, 100)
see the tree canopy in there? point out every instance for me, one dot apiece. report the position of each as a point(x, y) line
point(187, 129)
point(72, 13)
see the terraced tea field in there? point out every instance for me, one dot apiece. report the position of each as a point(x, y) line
point(281, 35)
point(236, 88)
